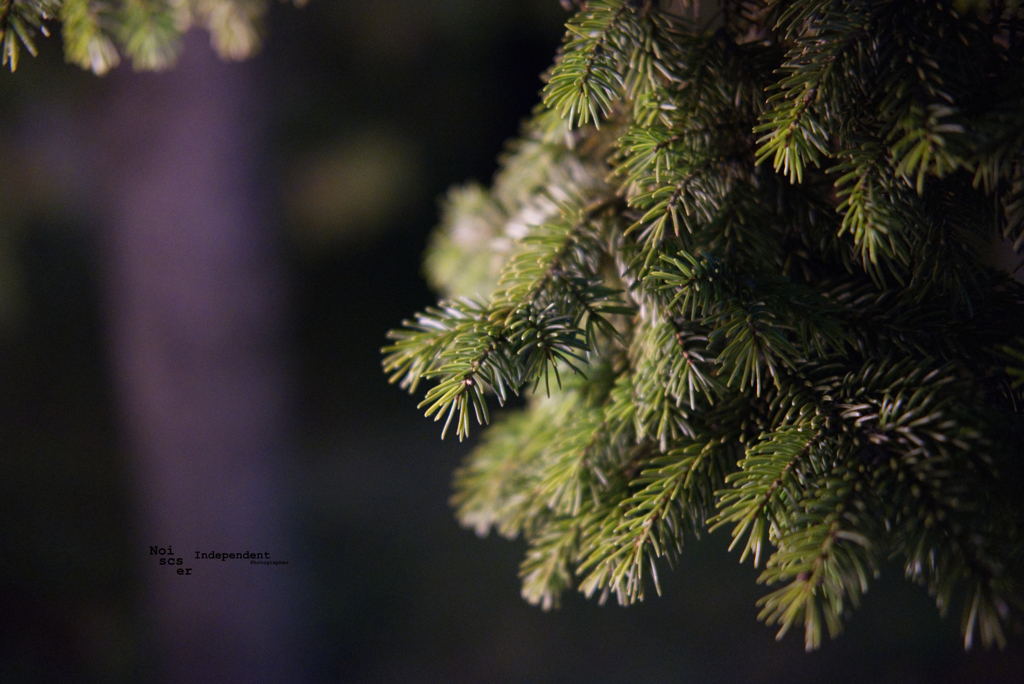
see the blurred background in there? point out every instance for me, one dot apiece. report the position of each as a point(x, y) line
point(197, 271)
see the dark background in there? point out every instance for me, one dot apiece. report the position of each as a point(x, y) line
point(372, 110)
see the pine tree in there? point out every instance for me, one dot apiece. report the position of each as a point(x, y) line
point(738, 268)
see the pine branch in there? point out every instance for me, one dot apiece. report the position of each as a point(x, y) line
point(670, 497)
point(497, 487)
point(19, 21)
point(613, 51)
point(868, 212)
point(546, 571)
point(86, 39)
point(825, 558)
point(148, 35)
point(795, 129)
point(234, 25)
point(764, 488)
point(585, 82)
